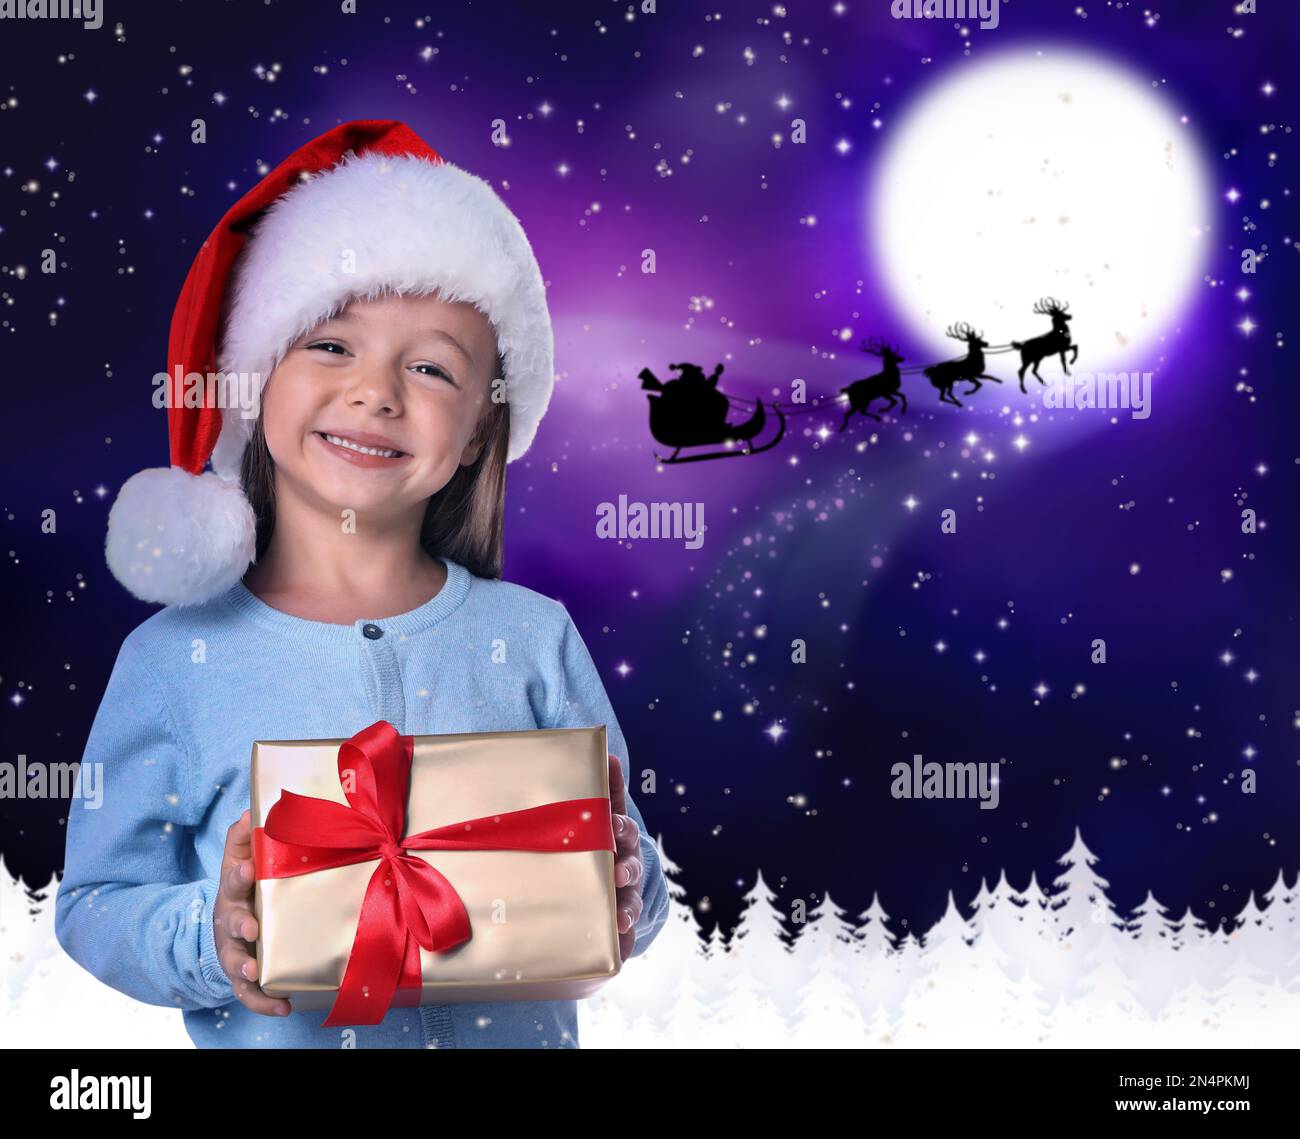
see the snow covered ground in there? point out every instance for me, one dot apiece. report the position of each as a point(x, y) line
point(1059, 968)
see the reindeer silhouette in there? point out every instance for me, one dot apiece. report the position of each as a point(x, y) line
point(1034, 352)
point(970, 367)
point(885, 384)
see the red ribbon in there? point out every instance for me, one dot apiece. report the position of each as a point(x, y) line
point(408, 904)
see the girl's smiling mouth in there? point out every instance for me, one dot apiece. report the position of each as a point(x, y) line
point(362, 449)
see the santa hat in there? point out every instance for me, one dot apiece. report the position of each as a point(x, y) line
point(364, 208)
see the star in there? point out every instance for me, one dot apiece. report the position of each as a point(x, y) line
point(776, 732)
point(910, 502)
point(1247, 326)
point(1020, 442)
point(623, 669)
point(1041, 690)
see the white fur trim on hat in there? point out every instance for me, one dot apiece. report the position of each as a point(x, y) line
point(178, 538)
point(374, 223)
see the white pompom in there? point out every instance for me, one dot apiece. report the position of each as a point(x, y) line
point(180, 539)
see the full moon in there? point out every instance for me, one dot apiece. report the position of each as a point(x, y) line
point(1042, 173)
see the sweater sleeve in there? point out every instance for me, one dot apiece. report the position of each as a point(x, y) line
point(583, 703)
point(130, 908)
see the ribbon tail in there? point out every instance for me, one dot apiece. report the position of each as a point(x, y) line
point(433, 911)
point(375, 962)
point(412, 977)
point(410, 989)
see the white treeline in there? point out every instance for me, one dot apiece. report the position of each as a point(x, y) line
point(1054, 967)
point(1045, 967)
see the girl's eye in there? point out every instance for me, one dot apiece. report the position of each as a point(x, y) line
point(431, 370)
point(330, 346)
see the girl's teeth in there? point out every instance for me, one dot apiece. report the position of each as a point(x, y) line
point(339, 442)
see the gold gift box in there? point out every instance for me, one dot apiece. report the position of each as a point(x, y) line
point(544, 924)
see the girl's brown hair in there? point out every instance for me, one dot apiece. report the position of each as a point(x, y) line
point(464, 521)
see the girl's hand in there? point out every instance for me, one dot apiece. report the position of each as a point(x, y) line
point(234, 926)
point(627, 861)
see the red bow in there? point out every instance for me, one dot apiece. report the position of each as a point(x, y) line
point(408, 904)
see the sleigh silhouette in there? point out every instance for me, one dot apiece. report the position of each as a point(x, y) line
point(690, 411)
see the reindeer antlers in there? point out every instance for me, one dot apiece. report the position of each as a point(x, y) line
point(961, 331)
point(1046, 306)
point(878, 346)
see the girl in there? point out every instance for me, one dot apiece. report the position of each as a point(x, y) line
point(395, 304)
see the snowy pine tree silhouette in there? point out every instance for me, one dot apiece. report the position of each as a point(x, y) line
point(1282, 929)
point(1245, 997)
point(670, 990)
point(947, 980)
point(874, 936)
point(761, 988)
point(881, 981)
point(979, 907)
point(1155, 970)
point(1080, 892)
point(1084, 917)
point(826, 1012)
point(1257, 935)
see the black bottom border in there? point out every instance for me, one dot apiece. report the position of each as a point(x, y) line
point(360, 1085)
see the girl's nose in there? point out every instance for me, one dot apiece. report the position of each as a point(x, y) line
point(376, 389)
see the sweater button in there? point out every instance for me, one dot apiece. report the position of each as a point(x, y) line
point(374, 632)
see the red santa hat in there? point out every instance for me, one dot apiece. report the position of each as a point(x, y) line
point(367, 207)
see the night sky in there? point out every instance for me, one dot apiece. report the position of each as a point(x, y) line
point(655, 132)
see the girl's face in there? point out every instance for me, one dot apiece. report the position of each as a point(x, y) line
point(374, 409)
